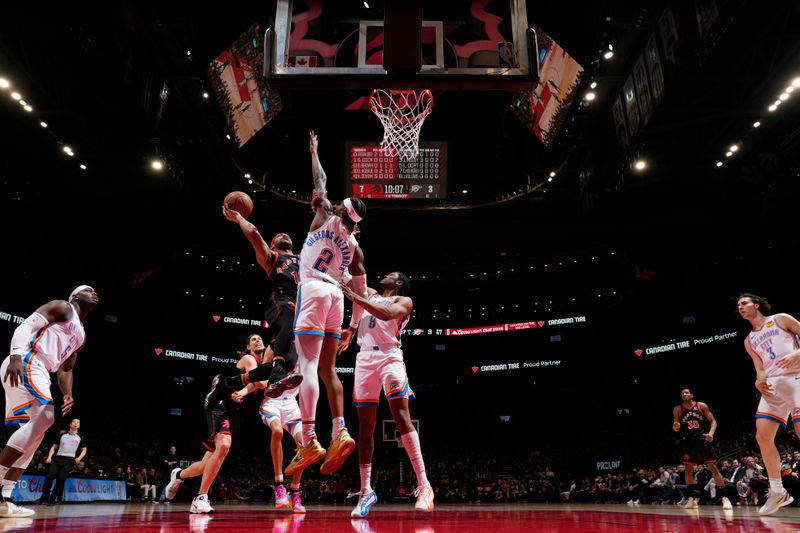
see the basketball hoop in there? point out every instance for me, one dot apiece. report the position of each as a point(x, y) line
point(402, 114)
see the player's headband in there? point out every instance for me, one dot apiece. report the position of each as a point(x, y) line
point(78, 289)
point(355, 217)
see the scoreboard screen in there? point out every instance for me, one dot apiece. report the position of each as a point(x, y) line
point(372, 174)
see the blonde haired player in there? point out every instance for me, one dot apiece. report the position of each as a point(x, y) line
point(329, 250)
point(47, 341)
point(773, 346)
point(379, 364)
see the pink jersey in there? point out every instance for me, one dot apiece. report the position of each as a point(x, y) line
point(376, 334)
point(54, 343)
point(327, 251)
point(772, 343)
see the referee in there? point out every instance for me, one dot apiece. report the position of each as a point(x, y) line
point(63, 461)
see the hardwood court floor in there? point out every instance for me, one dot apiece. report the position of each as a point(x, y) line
point(387, 518)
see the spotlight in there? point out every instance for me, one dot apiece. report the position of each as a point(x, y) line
point(67, 150)
point(593, 85)
point(719, 163)
point(549, 179)
point(28, 108)
point(155, 164)
point(728, 154)
point(756, 124)
point(83, 167)
point(552, 174)
point(640, 165)
point(734, 147)
point(784, 96)
point(43, 124)
point(4, 83)
point(589, 96)
point(247, 175)
point(464, 191)
point(16, 96)
point(608, 55)
point(796, 83)
point(205, 95)
point(772, 108)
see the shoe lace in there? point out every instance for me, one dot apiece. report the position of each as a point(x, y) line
point(354, 494)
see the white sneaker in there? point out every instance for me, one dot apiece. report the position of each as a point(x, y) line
point(10, 510)
point(174, 483)
point(726, 504)
point(775, 501)
point(201, 505)
point(365, 503)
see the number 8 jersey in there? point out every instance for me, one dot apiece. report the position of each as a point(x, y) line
point(327, 251)
point(772, 343)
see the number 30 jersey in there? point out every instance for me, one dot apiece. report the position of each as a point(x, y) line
point(772, 343)
point(692, 421)
point(327, 251)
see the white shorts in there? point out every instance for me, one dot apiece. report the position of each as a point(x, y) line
point(35, 387)
point(785, 401)
point(284, 409)
point(320, 309)
point(376, 370)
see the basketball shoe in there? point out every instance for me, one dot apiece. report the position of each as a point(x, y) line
point(424, 499)
point(365, 503)
point(281, 499)
point(340, 448)
point(305, 457)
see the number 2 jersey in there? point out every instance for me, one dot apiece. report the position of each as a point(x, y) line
point(327, 251)
point(772, 343)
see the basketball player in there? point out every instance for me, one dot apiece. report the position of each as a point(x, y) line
point(47, 341)
point(218, 443)
point(281, 266)
point(279, 414)
point(329, 250)
point(380, 364)
point(62, 462)
point(689, 419)
point(772, 344)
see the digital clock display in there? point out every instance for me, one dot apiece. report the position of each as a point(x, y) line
point(373, 174)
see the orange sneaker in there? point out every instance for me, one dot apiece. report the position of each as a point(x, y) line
point(338, 451)
point(305, 457)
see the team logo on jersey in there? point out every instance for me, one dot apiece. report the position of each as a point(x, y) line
point(770, 323)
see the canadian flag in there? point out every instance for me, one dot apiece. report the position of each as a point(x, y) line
point(158, 351)
point(303, 61)
point(216, 318)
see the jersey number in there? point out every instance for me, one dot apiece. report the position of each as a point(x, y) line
point(324, 259)
point(693, 424)
point(772, 354)
point(372, 321)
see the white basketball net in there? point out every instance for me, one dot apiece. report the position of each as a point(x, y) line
point(402, 114)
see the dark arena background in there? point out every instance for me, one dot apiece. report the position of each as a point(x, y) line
point(575, 237)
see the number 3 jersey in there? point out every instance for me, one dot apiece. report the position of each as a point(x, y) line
point(772, 343)
point(327, 251)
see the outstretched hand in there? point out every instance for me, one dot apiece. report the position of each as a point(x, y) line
point(67, 405)
point(344, 342)
point(312, 143)
point(348, 292)
point(230, 214)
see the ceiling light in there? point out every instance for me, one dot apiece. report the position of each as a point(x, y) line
point(608, 55)
point(756, 124)
point(28, 108)
point(205, 95)
point(789, 89)
point(772, 108)
point(728, 154)
point(552, 174)
point(366, 5)
point(796, 82)
point(464, 191)
point(776, 103)
point(250, 182)
point(23, 103)
point(155, 164)
point(4, 84)
point(67, 150)
point(16, 96)
point(83, 167)
point(228, 136)
point(593, 85)
point(783, 97)
point(188, 53)
point(734, 147)
point(589, 96)
point(719, 163)
point(43, 124)
point(549, 179)
point(640, 165)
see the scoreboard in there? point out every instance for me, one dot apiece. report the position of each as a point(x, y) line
point(372, 174)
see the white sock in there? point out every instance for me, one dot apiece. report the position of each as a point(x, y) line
point(411, 444)
point(366, 474)
point(279, 479)
point(775, 485)
point(8, 487)
point(309, 433)
point(338, 426)
point(202, 497)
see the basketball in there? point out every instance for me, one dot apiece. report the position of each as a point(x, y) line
point(239, 201)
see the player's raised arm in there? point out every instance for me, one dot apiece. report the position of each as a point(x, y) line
point(321, 204)
point(264, 256)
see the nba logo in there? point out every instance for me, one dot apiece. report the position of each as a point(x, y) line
point(505, 52)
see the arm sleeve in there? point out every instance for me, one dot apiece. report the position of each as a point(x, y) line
point(24, 333)
point(359, 286)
